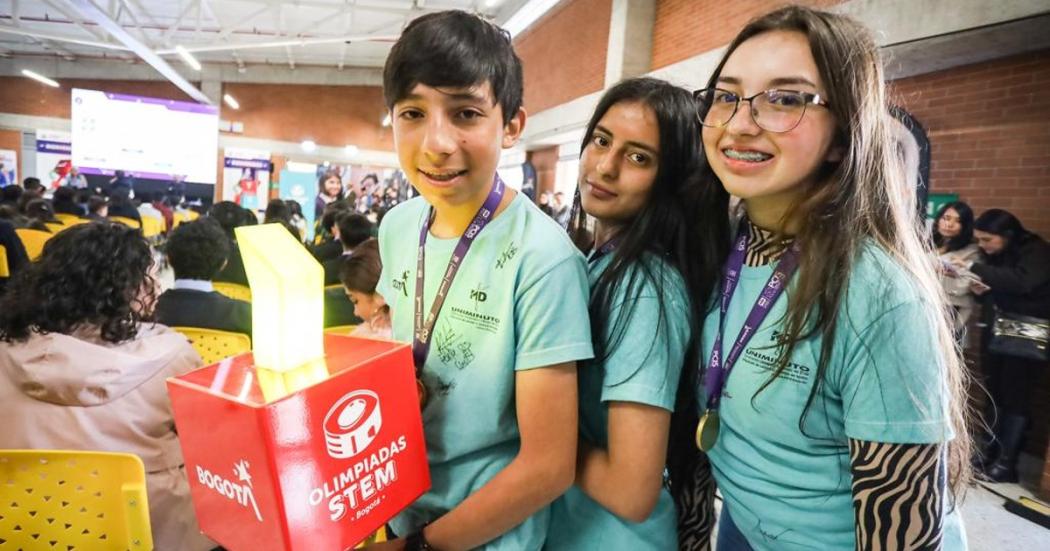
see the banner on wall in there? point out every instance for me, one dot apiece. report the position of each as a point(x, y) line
point(8, 167)
point(246, 177)
point(301, 187)
point(53, 153)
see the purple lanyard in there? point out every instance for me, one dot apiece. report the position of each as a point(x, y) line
point(605, 249)
point(424, 331)
point(718, 371)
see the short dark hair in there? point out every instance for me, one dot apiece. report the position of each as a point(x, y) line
point(198, 249)
point(96, 202)
point(277, 210)
point(10, 194)
point(454, 49)
point(360, 271)
point(354, 229)
point(31, 183)
point(331, 212)
point(51, 294)
point(228, 214)
point(40, 209)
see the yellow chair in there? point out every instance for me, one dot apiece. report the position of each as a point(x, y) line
point(181, 216)
point(214, 345)
point(57, 499)
point(152, 226)
point(33, 241)
point(68, 219)
point(5, 271)
point(233, 290)
point(129, 222)
point(339, 329)
point(55, 227)
point(378, 537)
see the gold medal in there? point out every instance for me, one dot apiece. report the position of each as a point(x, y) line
point(422, 389)
point(707, 430)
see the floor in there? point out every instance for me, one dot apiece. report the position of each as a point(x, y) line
point(990, 527)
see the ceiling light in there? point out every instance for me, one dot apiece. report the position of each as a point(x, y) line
point(188, 58)
point(386, 120)
point(308, 146)
point(527, 15)
point(230, 101)
point(39, 78)
point(351, 150)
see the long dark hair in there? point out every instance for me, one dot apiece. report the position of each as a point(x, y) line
point(683, 223)
point(864, 198)
point(965, 236)
point(90, 274)
point(1006, 225)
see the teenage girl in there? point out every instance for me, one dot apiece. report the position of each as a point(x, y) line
point(639, 159)
point(833, 411)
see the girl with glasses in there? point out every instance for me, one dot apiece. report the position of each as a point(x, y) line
point(653, 257)
point(833, 413)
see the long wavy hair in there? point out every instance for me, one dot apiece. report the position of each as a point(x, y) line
point(862, 199)
point(95, 274)
point(684, 223)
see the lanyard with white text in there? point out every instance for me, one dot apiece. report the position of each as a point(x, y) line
point(423, 331)
point(718, 369)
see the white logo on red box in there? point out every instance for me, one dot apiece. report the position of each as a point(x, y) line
point(239, 491)
point(352, 424)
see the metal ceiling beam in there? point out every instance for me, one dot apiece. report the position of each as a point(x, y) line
point(282, 43)
point(60, 38)
point(93, 13)
point(178, 21)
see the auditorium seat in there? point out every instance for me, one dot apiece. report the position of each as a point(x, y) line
point(67, 219)
point(233, 290)
point(152, 226)
point(340, 329)
point(213, 345)
point(129, 222)
point(57, 499)
point(5, 271)
point(33, 241)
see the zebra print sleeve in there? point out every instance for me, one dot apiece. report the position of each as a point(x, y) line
point(898, 494)
point(696, 509)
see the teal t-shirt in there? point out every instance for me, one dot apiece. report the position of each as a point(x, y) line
point(518, 302)
point(643, 366)
point(884, 383)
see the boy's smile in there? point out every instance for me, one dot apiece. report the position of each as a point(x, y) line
point(449, 140)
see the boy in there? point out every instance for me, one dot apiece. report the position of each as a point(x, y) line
point(500, 369)
point(197, 251)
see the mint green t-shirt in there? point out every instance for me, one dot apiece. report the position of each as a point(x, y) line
point(642, 367)
point(518, 302)
point(885, 382)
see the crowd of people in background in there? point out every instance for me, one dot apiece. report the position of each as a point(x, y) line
point(643, 251)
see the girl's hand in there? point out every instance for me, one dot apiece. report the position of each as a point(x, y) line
point(979, 288)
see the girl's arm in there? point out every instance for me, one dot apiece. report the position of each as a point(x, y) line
point(898, 494)
point(1030, 272)
point(626, 478)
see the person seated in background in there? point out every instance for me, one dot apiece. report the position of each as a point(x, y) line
point(197, 251)
point(98, 208)
point(64, 201)
point(360, 275)
point(120, 205)
point(297, 219)
point(39, 214)
point(250, 217)
point(9, 196)
point(146, 207)
point(352, 230)
point(230, 216)
point(160, 203)
point(81, 367)
point(27, 196)
point(326, 245)
point(32, 184)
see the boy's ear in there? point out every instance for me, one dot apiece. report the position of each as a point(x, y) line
point(513, 129)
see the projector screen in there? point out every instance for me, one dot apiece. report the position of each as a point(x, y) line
point(148, 137)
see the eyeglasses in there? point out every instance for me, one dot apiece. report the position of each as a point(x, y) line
point(772, 110)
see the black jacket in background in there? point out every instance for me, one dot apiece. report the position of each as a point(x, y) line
point(233, 271)
point(203, 309)
point(326, 251)
point(1020, 279)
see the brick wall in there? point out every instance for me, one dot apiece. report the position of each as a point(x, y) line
point(329, 115)
point(989, 128)
point(563, 55)
point(685, 28)
point(23, 96)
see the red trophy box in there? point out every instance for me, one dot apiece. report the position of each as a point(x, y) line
point(315, 458)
